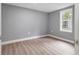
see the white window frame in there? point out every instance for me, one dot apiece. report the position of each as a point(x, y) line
point(61, 13)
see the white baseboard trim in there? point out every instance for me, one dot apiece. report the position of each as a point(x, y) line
point(61, 38)
point(23, 39)
point(35, 37)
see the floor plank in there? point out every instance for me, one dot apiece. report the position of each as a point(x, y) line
point(41, 46)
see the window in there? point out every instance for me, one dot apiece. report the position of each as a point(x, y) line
point(66, 20)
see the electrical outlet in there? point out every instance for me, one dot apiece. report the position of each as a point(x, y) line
point(28, 33)
point(51, 31)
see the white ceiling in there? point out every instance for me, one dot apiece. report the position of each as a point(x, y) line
point(45, 7)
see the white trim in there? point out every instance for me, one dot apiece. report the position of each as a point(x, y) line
point(62, 29)
point(60, 38)
point(35, 37)
point(23, 39)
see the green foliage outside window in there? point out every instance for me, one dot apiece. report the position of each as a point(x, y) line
point(67, 15)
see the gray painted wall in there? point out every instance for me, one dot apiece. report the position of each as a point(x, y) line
point(54, 26)
point(0, 19)
point(17, 22)
point(77, 21)
point(77, 28)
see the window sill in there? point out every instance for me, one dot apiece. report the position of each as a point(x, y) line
point(66, 31)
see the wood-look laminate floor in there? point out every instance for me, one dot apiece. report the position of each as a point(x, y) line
point(41, 46)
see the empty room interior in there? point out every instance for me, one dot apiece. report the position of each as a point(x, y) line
point(38, 28)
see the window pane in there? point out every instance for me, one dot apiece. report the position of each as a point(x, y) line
point(66, 20)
